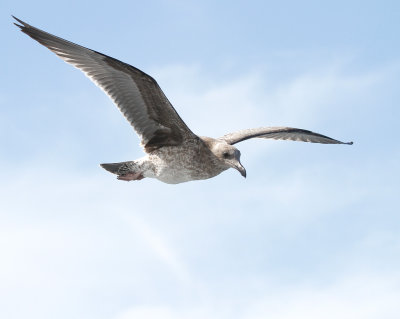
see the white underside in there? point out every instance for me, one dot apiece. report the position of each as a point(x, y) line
point(173, 170)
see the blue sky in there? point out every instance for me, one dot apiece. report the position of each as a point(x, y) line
point(313, 232)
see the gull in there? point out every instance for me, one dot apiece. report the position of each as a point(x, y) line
point(174, 154)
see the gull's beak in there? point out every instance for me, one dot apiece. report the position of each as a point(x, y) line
point(240, 168)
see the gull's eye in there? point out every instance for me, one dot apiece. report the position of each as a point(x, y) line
point(225, 155)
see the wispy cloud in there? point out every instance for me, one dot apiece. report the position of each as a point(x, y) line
point(196, 250)
point(361, 296)
point(255, 99)
point(158, 244)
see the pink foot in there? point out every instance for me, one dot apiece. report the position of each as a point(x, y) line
point(131, 177)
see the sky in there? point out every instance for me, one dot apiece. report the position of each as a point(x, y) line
point(312, 232)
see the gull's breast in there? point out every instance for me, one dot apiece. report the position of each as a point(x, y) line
point(179, 164)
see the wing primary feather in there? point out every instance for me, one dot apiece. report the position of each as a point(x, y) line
point(135, 93)
point(280, 133)
point(142, 102)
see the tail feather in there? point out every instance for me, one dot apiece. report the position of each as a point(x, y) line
point(116, 168)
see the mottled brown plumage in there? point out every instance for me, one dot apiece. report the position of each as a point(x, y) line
point(174, 154)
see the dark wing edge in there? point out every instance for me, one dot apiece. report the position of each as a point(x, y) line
point(280, 133)
point(136, 94)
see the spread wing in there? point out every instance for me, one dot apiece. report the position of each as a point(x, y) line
point(280, 133)
point(136, 94)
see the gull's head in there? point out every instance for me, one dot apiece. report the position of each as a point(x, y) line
point(228, 155)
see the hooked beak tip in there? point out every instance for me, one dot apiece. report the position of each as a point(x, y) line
point(241, 170)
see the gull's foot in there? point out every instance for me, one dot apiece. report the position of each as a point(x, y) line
point(130, 177)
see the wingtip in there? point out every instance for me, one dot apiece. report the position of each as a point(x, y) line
point(22, 23)
point(349, 143)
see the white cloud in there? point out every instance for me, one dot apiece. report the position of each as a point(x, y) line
point(361, 296)
point(181, 251)
point(255, 99)
point(147, 313)
point(158, 244)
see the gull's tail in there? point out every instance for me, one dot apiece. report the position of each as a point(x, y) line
point(117, 168)
point(126, 171)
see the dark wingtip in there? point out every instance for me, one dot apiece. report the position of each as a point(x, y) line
point(20, 21)
point(22, 25)
point(349, 143)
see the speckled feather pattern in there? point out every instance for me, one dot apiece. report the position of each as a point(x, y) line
point(192, 160)
point(174, 153)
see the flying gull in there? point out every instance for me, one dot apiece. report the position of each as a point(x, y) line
point(174, 154)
